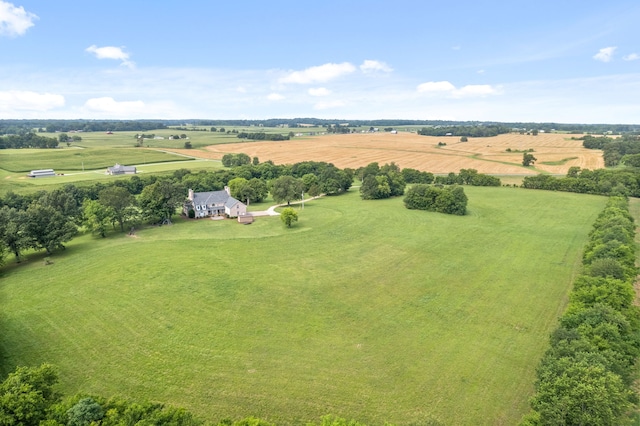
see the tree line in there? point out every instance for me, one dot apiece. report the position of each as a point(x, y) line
point(622, 181)
point(478, 131)
point(262, 136)
point(614, 149)
point(587, 375)
point(27, 140)
point(29, 397)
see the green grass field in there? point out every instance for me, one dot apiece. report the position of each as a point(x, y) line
point(364, 310)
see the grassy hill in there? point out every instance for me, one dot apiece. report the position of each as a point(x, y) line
point(364, 309)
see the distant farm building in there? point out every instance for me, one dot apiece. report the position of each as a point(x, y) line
point(41, 173)
point(214, 203)
point(119, 169)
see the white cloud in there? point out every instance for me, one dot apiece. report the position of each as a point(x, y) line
point(110, 52)
point(370, 66)
point(275, 97)
point(241, 89)
point(436, 87)
point(29, 101)
point(319, 74)
point(605, 54)
point(329, 105)
point(475, 90)
point(14, 21)
point(631, 57)
point(449, 90)
point(110, 106)
point(319, 91)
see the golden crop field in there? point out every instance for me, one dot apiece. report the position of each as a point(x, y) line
point(555, 153)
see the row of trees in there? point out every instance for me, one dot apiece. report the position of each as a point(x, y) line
point(477, 131)
point(623, 181)
point(262, 136)
point(614, 150)
point(468, 177)
point(28, 397)
point(27, 140)
point(586, 376)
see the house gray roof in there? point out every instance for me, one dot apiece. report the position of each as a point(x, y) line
point(214, 198)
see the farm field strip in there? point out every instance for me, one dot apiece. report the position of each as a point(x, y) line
point(423, 152)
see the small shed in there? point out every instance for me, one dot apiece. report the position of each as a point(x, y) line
point(245, 218)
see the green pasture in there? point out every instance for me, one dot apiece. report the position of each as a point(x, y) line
point(77, 159)
point(363, 310)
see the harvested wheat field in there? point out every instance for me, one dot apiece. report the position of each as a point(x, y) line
point(555, 153)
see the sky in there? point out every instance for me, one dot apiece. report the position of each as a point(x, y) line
point(566, 61)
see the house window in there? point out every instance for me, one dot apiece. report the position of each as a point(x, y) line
point(197, 207)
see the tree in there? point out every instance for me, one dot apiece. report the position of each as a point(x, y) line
point(96, 216)
point(119, 201)
point(13, 234)
point(26, 394)
point(464, 139)
point(288, 216)
point(47, 228)
point(187, 145)
point(577, 393)
point(286, 189)
point(160, 200)
point(85, 412)
point(528, 159)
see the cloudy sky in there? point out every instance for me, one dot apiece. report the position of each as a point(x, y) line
point(570, 61)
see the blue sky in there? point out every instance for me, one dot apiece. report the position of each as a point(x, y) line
point(560, 61)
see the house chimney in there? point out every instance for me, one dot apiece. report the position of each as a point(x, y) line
point(226, 188)
point(190, 194)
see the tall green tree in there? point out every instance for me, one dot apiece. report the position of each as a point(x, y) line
point(286, 189)
point(119, 201)
point(160, 200)
point(47, 228)
point(26, 394)
point(96, 217)
point(13, 233)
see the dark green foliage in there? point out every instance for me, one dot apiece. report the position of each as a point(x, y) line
point(617, 150)
point(528, 159)
point(47, 228)
point(617, 182)
point(286, 189)
point(416, 176)
point(26, 394)
point(381, 182)
point(262, 136)
point(235, 160)
point(450, 200)
point(586, 375)
point(87, 410)
point(160, 200)
point(27, 140)
point(468, 177)
point(470, 131)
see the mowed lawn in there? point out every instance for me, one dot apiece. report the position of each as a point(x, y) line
point(364, 310)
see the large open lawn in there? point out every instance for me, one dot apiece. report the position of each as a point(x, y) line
point(364, 309)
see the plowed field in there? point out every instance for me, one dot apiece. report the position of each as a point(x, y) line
point(555, 153)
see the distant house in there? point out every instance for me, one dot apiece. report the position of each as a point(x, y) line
point(214, 203)
point(41, 173)
point(119, 169)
